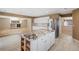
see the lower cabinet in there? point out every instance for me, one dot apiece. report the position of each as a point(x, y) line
point(28, 44)
point(34, 45)
point(41, 44)
point(45, 42)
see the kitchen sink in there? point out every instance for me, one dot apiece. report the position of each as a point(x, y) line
point(30, 36)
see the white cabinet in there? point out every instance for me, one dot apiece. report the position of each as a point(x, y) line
point(45, 42)
point(52, 38)
point(34, 45)
point(41, 44)
point(41, 20)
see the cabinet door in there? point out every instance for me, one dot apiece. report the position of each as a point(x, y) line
point(41, 44)
point(52, 38)
point(34, 45)
point(47, 42)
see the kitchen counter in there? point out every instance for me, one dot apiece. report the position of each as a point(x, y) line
point(13, 31)
point(40, 33)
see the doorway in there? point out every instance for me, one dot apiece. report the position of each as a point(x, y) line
point(67, 25)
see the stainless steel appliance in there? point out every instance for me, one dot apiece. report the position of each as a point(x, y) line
point(15, 24)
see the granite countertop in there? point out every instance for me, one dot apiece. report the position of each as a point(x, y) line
point(36, 34)
point(42, 32)
point(12, 31)
point(22, 31)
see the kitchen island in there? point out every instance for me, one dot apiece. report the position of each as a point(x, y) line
point(41, 41)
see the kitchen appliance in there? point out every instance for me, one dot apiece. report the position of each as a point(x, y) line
point(15, 24)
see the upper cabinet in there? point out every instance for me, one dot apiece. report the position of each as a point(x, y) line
point(17, 23)
point(14, 23)
point(41, 20)
point(41, 23)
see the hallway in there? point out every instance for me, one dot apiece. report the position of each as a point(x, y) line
point(66, 43)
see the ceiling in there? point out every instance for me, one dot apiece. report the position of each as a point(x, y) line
point(34, 12)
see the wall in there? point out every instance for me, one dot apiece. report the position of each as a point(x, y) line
point(66, 29)
point(4, 23)
point(26, 26)
point(29, 24)
point(76, 24)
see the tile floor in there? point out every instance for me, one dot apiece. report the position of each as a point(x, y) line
point(65, 43)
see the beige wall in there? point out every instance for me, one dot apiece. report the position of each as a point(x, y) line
point(4, 23)
point(66, 29)
point(29, 24)
point(26, 26)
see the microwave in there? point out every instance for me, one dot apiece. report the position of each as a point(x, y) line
point(15, 24)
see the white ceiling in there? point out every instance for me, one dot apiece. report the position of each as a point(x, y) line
point(37, 11)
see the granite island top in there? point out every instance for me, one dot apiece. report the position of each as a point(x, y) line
point(35, 34)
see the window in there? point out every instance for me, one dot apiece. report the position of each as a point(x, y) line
point(67, 22)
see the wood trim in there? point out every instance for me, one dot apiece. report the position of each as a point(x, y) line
point(75, 10)
point(46, 15)
point(50, 15)
point(66, 15)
